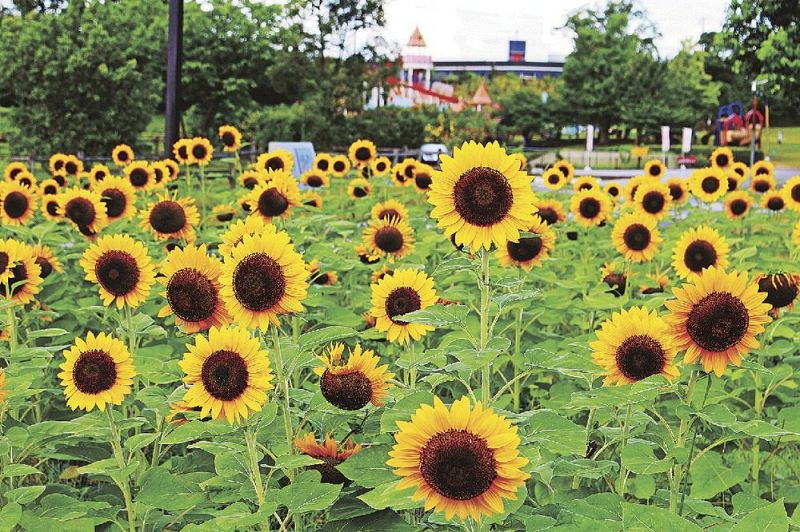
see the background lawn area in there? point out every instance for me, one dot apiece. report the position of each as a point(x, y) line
point(788, 153)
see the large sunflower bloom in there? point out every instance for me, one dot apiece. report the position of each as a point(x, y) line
point(653, 198)
point(654, 168)
point(529, 251)
point(121, 268)
point(122, 155)
point(389, 237)
point(351, 385)
point(737, 204)
point(170, 217)
point(84, 209)
point(678, 190)
point(202, 151)
point(636, 236)
point(118, 196)
point(362, 152)
point(276, 197)
point(21, 275)
point(708, 184)
point(230, 137)
point(402, 292)
point(17, 203)
point(590, 207)
point(698, 249)
point(722, 157)
point(140, 175)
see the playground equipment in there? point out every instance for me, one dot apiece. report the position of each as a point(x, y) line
point(738, 127)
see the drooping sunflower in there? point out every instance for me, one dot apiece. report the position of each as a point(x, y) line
point(585, 182)
point(657, 283)
point(250, 179)
point(551, 211)
point(230, 137)
point(737, 204)
point(228, 374)
point(716, 318)
point(73, 166)
point(192, 289)
point(22, 275)
point(278, 160)
point(14, 168)
point(317, 277)
point(98, 371)
point(773, 200)
point(262, 278)
point(423, 177)
point(762, 168)
point(390, 238)
point(761, 183)
point(523, 161)
point(98, 173)
point(276, 197)
point(381, 272)
point(388, 209)
point(122, 155)
point(202, 151)
point(654, 168)
point(139, 174)
point(529, 251)
point(315, 179)
point(616, 278)
point(614, 190)
point(236, 232)
point(463, 461)
point(182, 151)
point(481, 196)
point(118, 196)
point(322, 162)
point(311, 199)
point(223, 213)
point(708, 184)
point(381, 166)
point(636, 236)
point(330, 453)
point(17, 203)
point(698, 249)
point(358, 188)
point(722, 157)
point(46, 259)
point(367, 255)
point(791, 191)
point(402, 292)
point(340, 165)
point(121, 268)
point(56, 163)
point(781, 289)
point(84, 209)
point(633, 345)
point(653, 198)
point(566, 169)
point(554, 179)
point(678, 190)
point(362, 152)
point(590, 207)
point(352, 384)
point(170, 217)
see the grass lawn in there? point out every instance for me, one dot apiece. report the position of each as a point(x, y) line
point(787, 153)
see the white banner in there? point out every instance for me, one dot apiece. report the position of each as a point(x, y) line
point(589, 137)
point(665, 139)
point(686, 145)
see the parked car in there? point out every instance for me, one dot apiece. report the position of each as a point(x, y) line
point(429, 153)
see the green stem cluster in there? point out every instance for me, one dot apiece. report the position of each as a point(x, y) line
point(484, 333)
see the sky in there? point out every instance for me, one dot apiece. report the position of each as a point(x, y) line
point(481, 29)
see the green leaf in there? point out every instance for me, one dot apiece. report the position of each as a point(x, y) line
point(771, 518)
point(25, 494)
point(404, 409)
point(389, 496)
point(556, 433)
point(637, 517)
point(18, 470)
point(368, 468)
point(138, 441)
point(293, 461)
point(437, 316)
point(639, 458)
point(9, 516)
point(325, 335)
point(166, 491)
point(307, 493)
point(382, 521)
point(195, 430)
point(710, 476)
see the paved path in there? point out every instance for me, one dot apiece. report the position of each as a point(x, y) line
point(781, 174)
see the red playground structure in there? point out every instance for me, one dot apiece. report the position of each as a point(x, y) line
point(735, 126)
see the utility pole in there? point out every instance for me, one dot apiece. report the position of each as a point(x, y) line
point(174, 61)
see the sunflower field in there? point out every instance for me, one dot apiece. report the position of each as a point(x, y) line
point(211, 343)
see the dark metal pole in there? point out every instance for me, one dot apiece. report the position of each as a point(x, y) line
point(174, 61)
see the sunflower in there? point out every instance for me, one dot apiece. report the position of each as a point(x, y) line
point(481, 196)
point(678, 190)
point(170, 217)
point(50, 208)
point(262, 278)
point(633, 185)
point(698, 249)
point(230, 137)
point(389, 209)
point(362, 152)
point(462, 461)
point(781, 290)
point(737, 204)
point(73, 166)
point(351, 385)
point(566, 169)
point(13, 169)
point(84, 209)
point(615, 278)
point(763, 168)
point(312, 199)
point(278, 160)
point(653, 198)
point(381, 272)
point(252, 178)
point(319, 278)
point(358, 188)
point(23, 276)
point(402, 292)
point(381, 166)
point(47, 261)
point(276, 197)
point(315, 179)
point(160, 174)
point(733, 179)
point(173, 169)
point(182, 152)
point(9, 252)
point(633, 345)
point(322, 162)
point(636, 236)
point(423, 177)
point(228, 374)
point(716, 318)
point(56, 163)
point(122, 155)
point(529, 251)
point(17, 203)
point(554, 179)
point(551, 211)
point(49, 187)
point(139, 174)
point(118, 196)
point(590, 207)
point(523, 161)
point(389, 237)
point(654, 168)
point(585, 182)
point(614, 190)
point(251, 225)
point(97, 173)
point(791, 191)
point(773, 200)
point(367, 255)
point(192, 289)
point(708, 184)
point(722, 157)
point(761, 183)
point(661, 280)
point(98, 371)
point(26, 179)
point(121, 268)
point(223, 213)
point(741, 169)
point(202, 151)
point(340, 165)
point(330, 453)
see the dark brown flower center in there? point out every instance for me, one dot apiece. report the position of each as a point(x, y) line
point(328, 472)
point(228, 139)
point(589, 208)
point(655, 170)
point(14, 173)
point(359, 192)
point(795, 192)
point(549, 215)
point(183, 152)
point(380, 166)
point(423, 181)
point(676, 191)
point(52, 207)
point(15, 204)
point(637, 237)
point(348, 391)
point(225, 216)
point(458, 464)
point(167, 217)
point(733, 184)
point(43, 263)
point(250, 182)
point(363, 154)
point(710, 184)
point(722, 160)
point(99, 175)
point(781, 290)
point(94, 372)
point(139, 177)
point(199, 151)
point(585, 186)
point(259, 282)
point(71, 167)
point(323, 164)
point(389, 239)
point(274, 163)
point(699, 255)
point(613, 191)
point(272, 203)
point(25, 181)
point(338, 166)
point(762, 185)
point(50, 189)
point(19, 273)
point(4, 261)
point(617, 282)
point(191, 295)
point(528, 248)
point(762, 170)
point(553, 179)
point(80, 211)
point(653, 202)
point(483, 196)
point(115, 201)
point(322, 278)
point(123, 155)
point(402, 301)
point(564, 170)
point(640, 356)
point(775, 203)
point(225, 375)
point(718, 321)
point(117, 272)
point(158, 174)
point(314, 181)
point(738, 207)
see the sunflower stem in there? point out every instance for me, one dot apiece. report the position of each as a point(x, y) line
point(255, 471)
point(484, 338)
point(679, 442)
point(284, 384)
point(623, 472)
point(123, 484)
point(11, 318)
point(691, 448)
point(202, 195)
point(756, 447)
